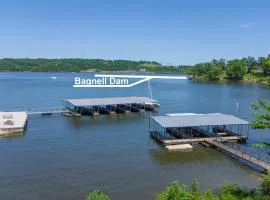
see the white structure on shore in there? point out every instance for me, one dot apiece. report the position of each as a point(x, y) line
point(12, 123)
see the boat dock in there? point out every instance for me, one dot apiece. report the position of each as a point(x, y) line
point(214, 130)
point(199, 140)
point(48, 111)
point(15, 122)
point(96, 106)
point(12, 123)
point(239, 154)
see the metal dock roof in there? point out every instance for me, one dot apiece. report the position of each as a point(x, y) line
point(214, 119)
point(110, 101)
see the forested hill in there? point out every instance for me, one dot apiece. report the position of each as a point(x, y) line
point(76, 65)
point(247, 69)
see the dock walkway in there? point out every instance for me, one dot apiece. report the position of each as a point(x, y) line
point(240, 154)
point(198, 140)
point(48, 111)
point(216, 142)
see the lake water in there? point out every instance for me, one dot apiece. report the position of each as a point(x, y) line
point(63, 158)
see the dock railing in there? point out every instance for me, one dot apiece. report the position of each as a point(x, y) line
point(44, 111)
point(256, 158)
point(32, 111)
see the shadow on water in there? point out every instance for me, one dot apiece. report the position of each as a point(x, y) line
point(12, 136)
point(105, 120)
point(198, 154)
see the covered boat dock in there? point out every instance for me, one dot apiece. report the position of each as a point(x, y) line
point(214, 129)
point(183, 127)
point(95, 106)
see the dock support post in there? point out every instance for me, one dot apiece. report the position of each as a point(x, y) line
point(164, 132)
point(248, 132)
point(149, 123)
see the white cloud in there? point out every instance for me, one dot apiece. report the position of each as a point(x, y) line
point(247, 25)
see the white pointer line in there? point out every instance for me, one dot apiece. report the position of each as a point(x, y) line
point(135, 76)
point(101, 86)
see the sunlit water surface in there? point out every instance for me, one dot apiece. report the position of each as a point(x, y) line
point(64, 158)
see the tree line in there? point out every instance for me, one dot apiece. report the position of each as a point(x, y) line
point(77, 65)
point(247, 69)
point(237, 69)
point(178, 191)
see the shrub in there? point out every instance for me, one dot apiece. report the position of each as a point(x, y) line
point(97, 195)
point(266, 186)
point(175, 191)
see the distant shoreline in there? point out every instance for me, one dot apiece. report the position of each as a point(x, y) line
point(97, 72)
point(248, 79)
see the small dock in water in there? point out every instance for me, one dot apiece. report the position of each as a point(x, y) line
point(215, 130)
point(12, 123)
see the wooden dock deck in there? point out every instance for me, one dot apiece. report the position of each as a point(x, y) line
point(198, 140)
point(216, 142)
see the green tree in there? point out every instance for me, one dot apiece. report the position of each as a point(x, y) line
point(261, 60)
point(236, 69)
point(262, 121)
point(175, 191)
point(262, 114)
point(227, 191)
point(178, 191)
point(97, 195)
point(268, 81)
point(266, 66)
point(265, 187)
point(232, 191)
point(214, 73)
point(250, 62)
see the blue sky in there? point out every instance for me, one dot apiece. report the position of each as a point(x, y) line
point(170, 32)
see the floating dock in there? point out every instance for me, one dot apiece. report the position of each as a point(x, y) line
point(179, 147)
point(12, 123)
point(48, 111)
point(214, 129)
point(200, 140)
point(239, 154)
point(96, 106)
